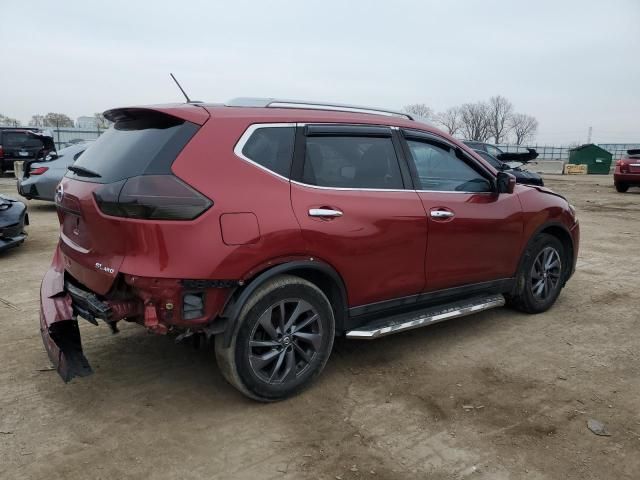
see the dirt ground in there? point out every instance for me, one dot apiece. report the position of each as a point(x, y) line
point(498, 395)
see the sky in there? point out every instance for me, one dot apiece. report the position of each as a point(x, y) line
point(571, 64)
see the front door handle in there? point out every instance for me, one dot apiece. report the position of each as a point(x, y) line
point(324, 212)
point(441, 214)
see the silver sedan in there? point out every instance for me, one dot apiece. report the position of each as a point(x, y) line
point(39, 179)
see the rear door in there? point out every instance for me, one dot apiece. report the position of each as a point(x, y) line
point(474, 233)
point(349, 196)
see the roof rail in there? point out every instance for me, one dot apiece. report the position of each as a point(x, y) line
point(281, 103)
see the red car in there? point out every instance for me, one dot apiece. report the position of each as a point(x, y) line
point(274, 226)
point(627, 171)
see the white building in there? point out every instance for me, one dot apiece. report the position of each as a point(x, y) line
point(88, 123)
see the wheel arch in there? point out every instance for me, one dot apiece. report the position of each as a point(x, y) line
point(562, 233)
point(321, 274)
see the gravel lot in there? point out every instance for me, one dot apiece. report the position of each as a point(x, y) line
point(499, 395)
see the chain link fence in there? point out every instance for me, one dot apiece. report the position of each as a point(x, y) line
point(63, 137)
point(561, 153)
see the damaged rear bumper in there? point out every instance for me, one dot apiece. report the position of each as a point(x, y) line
point(59, 327)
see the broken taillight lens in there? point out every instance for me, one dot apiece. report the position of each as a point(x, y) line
point(151, 197)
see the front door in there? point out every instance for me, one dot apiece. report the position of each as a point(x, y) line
point(474, 233)
point(355, 213)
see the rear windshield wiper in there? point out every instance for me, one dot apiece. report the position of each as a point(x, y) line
point(83, 172)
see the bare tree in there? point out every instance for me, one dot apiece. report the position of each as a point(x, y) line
point(450, 120)
point(57, 120)
point(37, 121)
point(419, 111)
point(499, 112)
point(474, 119)
point(9, 122)
point(101, 122)
point(524, 127)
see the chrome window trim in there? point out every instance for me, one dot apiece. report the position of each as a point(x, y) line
point(352, 188)
point(237, 150)
point(251, 129)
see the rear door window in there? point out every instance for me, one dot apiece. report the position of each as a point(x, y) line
point(144, 145)
point(271, 147)
point(351, 162)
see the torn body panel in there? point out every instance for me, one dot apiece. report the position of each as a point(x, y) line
point(157, 304)
point(58, 326)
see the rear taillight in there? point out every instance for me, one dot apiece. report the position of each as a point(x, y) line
point(38, 171)
point(1, 152)
point(623, 165)
point(151, 197)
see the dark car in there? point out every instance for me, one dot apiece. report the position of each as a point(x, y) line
point(39, 179)
point(520, 156)
point(627, 171)
point(23, 144)
point(522, 176)
point(13, 218)
point(274, 226)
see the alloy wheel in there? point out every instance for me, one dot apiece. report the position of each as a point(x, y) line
point(545, 273)
point(284, 341)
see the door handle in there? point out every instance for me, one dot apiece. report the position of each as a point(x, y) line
point(441, 214)
point(324, 212)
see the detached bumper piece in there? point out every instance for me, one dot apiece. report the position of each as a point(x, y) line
point(59, 329)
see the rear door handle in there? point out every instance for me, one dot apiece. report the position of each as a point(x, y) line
point(324, 212)
point(441, 214)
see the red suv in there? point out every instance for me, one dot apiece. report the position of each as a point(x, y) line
point(627, 171)
point(275, 226)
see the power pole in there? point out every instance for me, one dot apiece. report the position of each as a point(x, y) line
point(589, 135)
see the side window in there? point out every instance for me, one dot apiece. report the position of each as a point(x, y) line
point(440, 169)
point(495, 151)
point(351, 162)
point(272, 148)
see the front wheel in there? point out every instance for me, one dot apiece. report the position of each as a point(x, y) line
point(622, 187)
point(541, 275)
point(283, 342)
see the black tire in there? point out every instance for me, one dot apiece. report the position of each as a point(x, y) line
point(622, 187)
point(530, 296)
point(266, 365)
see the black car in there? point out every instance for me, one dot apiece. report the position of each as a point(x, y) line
point(13, 218)
point(27, 144)
point(522, 176)
point(521, 156)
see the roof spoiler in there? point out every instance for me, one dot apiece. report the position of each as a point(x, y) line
point(634, 151)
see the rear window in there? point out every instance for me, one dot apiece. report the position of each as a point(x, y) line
point(145, 145)
point(272, 148)
point(20, 139)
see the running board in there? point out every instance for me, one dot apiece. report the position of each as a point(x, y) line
point(428, 316)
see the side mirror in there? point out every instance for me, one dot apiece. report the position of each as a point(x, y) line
point(506, 182)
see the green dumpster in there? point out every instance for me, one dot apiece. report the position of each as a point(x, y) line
point(598, 160)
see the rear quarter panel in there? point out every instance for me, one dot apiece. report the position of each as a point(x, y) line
point(236, 187)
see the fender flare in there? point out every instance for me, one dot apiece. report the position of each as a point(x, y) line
point(232, 310)
point(536, 232)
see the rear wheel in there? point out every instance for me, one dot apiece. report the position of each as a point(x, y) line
point(283, 342)
point(541, 275)
point(622, 187)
